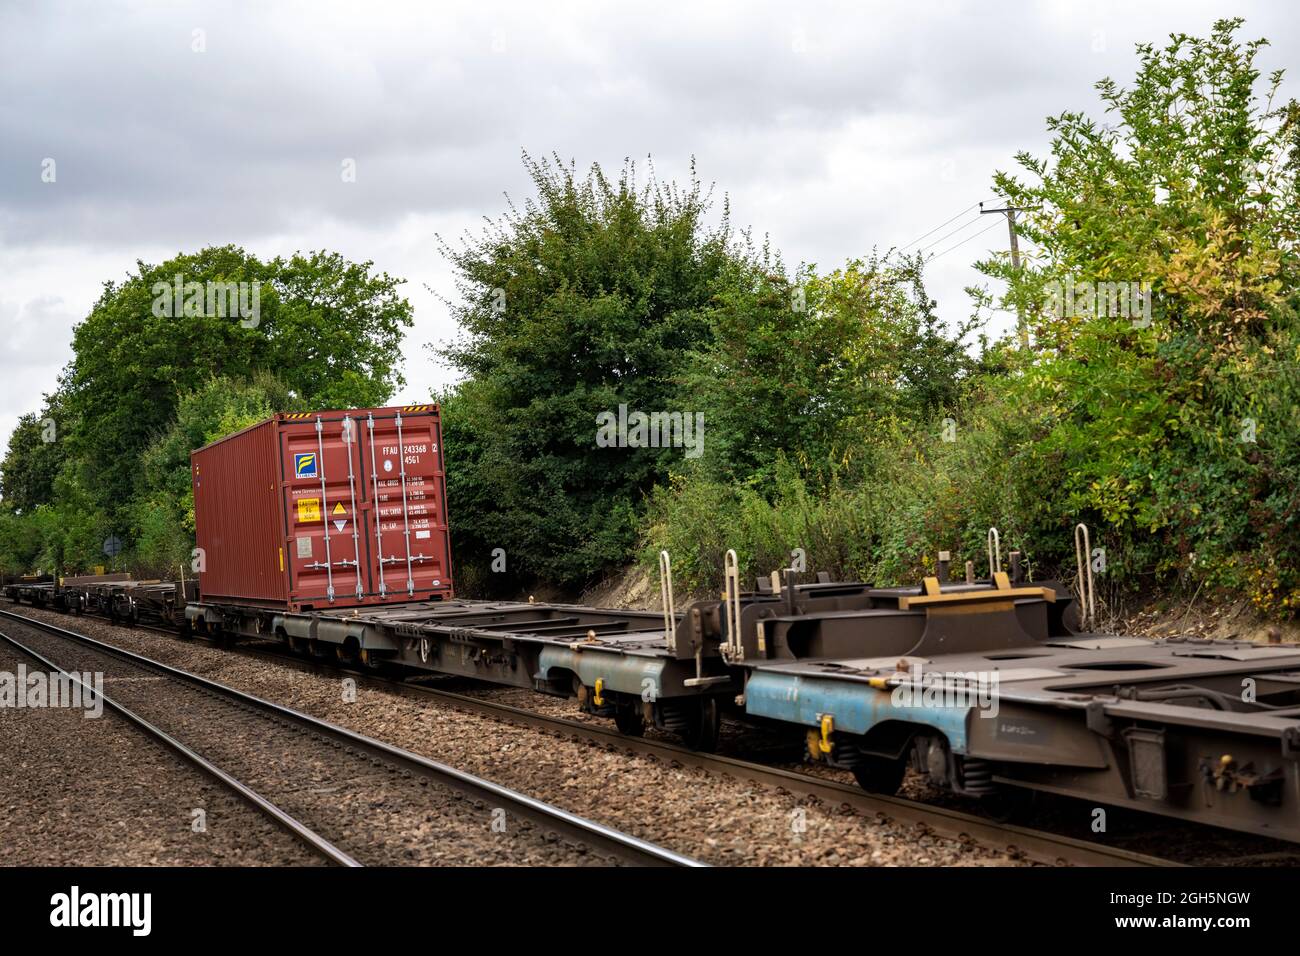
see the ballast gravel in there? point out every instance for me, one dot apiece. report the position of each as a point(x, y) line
point(97, 791)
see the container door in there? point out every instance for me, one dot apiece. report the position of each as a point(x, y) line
point(324, 502)
point(407, 524)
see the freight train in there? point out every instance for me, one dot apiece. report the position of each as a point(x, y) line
point(992, 686)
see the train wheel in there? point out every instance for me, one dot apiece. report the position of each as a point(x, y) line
point(629, 720)
point(704, 726)
point(879, 774)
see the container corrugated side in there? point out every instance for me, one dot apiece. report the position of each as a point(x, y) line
point(237, 521)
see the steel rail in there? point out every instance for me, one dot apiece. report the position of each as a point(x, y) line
point(601, 838)
point(306, 834)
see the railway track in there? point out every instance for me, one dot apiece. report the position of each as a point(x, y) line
point(1037, 845)
point(352, 799)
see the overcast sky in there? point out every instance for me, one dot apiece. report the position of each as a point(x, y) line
point(832, 128)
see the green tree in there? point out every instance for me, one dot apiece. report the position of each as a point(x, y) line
point(33, 460)
point(162, 529)
point(588, 297)
point(822, 369)
point(331, 329)
point(1167, 431)
point(19, 543)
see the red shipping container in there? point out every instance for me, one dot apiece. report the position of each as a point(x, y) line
point(320, 510)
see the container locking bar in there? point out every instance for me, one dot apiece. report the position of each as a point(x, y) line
point(374, 474)
point(406, 521)
point(348, 441)
point(324, 507)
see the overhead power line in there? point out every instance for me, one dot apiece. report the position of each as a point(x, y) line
point(948, 235)
point(951, 219)
point(909, 245)
point(959, 243)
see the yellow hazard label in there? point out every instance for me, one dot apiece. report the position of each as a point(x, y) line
point(308, 509)
point(339, 509)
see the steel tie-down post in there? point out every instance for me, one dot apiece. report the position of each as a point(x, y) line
point(731, 602)
point(666, 595)
point(995, 552)
point(1083, 555)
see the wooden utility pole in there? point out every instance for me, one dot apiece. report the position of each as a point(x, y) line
point(1010, 212)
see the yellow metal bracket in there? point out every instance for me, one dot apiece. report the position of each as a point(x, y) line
point(996, 595)
point(828, 727)
point(598, 700)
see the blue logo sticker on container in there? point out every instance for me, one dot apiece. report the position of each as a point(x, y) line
point(304, 466)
